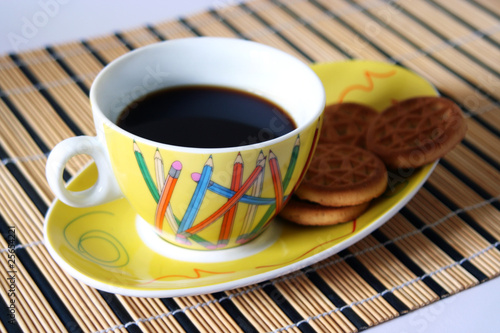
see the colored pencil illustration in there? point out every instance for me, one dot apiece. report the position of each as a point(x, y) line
point(160, 182)
point(228, 193)
point(309, 157)
point(145, 173)
point(173, 221)
point(166, 194)
point(293, 161)
point(197, 198)
point(256, 192)
point(195, 238)
point(232, 201)
point(291, 167)
point(276, 176)
point(187, 228)
point(159, 171)
point(228, 219)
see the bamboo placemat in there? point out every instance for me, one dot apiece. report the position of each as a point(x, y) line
point(444, 241)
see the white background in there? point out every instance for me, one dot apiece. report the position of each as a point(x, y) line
point(57, 21)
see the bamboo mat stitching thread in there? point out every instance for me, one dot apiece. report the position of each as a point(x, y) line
point(418, 278)
point(325, 264)
point(423, 52)
point(293, 275)
point(30, 158)
point(489, 201)
point(328, 263)
point(23, 159)
point(454, 42)
point(24, 246)
point(451, 43)
point(487, 108)
point(47, 84)
point(257, 8)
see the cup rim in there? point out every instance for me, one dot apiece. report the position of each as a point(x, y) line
point(97, 111)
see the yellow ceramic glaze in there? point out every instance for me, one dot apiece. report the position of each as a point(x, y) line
point(98, 245)
point(137, 166)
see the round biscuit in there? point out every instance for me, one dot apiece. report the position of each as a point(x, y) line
point(346, 123)
point(416, 131)
point(343, 175)
point(313, 214)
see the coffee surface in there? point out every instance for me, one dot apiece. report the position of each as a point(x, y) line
point(205, 117)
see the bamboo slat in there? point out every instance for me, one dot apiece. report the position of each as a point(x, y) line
point(68, 95)
point(31, 105)
point(209, 24)
point(471, 14)
point(151, 315)
point(427, 255)
point(445, 240)
point(487, 214)
point(491, 5)
point(252, 28)
point(140, 37)
point(108, 47)
point(309, 301)
point(393, 273)
point(259, 309)
point(366, 302)
point(174, 29)
point(80, 60)
point(461, 236)
point(295, 32)
point(336, 31)
point(451, 29)
point(29, 301)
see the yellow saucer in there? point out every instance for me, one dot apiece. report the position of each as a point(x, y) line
point(100, 246)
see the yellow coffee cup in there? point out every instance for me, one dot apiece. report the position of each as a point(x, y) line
point(184, 194)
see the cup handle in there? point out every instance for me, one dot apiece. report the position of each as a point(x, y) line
point(106, 187)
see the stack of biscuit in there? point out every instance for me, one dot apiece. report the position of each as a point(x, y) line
point(356, 147)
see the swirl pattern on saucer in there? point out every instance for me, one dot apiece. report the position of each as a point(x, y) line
point(111, 252)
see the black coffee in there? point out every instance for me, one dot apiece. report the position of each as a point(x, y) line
point(205, 117)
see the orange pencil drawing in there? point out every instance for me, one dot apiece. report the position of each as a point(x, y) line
point(160, 183)
point(166, 194)
point(228, 220)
